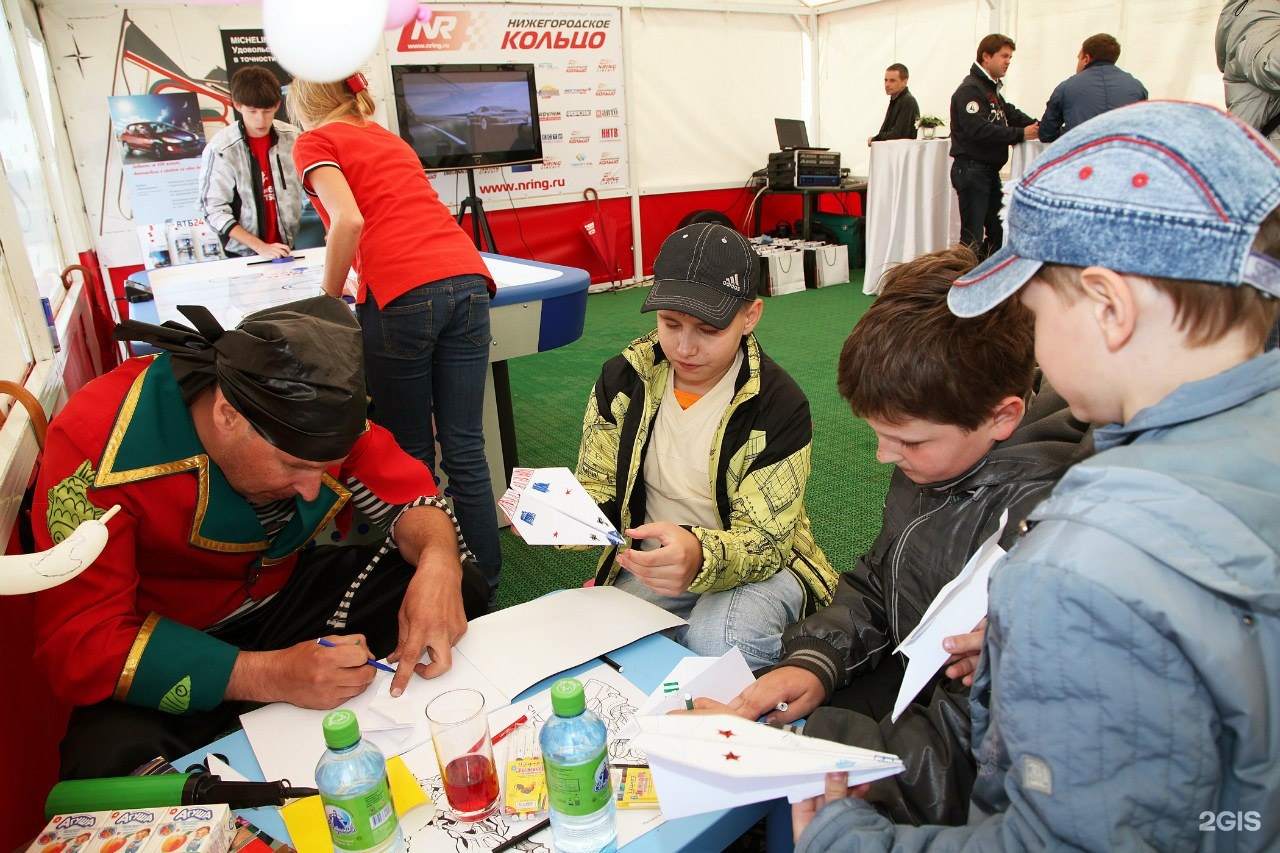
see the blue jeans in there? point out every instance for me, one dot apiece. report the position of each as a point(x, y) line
point(751, 617)
point(979, 190)
point(426, 360)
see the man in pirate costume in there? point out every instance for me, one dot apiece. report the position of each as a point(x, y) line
point(228, 454)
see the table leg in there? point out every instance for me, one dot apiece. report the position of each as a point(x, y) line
point(806, 214)
point(506, 417)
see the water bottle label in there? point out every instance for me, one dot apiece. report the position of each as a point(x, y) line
point(579, 789)
point(363, 821)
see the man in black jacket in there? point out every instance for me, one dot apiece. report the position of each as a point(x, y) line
point(900, 118)
point(983, 126)
point(952, 406)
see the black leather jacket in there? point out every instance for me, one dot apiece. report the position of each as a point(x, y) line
point(928, 534)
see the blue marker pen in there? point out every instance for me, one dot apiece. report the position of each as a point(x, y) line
point(51, 323)
point(376, 664)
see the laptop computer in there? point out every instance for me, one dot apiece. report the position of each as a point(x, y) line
point(792, 134)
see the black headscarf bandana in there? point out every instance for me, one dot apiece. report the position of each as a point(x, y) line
point(296, 371)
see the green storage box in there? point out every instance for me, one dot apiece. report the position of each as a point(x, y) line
point(850, 231)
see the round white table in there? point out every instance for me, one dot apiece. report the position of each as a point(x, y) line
point(911, 207)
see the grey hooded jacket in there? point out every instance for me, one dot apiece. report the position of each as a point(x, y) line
point(231, 187)
point(1248, 48)
point(1128, 696)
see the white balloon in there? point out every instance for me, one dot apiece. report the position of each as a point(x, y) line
point(323, 40)
point(23, 573)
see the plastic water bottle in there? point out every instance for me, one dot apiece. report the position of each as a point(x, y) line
point(352, 778)
point(575, 755)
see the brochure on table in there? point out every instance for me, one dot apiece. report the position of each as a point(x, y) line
point(608, 694)
point(502, 654)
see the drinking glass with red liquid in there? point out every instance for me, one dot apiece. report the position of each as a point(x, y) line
point(460, 734)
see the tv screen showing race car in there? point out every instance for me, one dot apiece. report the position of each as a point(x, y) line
point(468, 116)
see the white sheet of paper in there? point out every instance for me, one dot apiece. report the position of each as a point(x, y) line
point(519, 646)
point(218, 767)
point(502, 654)
point(667, 695)
point(548, 506)
point(958, 607)
point(702, 763)
point(721, 679)
point(288, 740)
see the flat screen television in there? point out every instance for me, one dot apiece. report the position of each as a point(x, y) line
point(468, 116)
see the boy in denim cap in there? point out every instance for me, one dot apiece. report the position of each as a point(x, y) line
point(1127, 693)
point(696, 446)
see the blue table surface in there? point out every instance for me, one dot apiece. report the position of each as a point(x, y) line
point(644, 663)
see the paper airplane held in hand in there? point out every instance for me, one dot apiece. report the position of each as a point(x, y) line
point(706, 762)
point(548, 506)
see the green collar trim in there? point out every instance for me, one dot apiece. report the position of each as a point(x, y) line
point(153, 436)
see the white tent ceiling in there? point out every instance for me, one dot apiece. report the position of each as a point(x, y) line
point(704, 78)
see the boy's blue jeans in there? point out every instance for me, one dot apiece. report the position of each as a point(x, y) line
point(426, 359)
point(751, 617)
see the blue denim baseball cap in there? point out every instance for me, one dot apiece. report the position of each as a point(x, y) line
point(1160, 188)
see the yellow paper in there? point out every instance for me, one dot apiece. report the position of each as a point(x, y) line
point(307, 827)
point(405, 790)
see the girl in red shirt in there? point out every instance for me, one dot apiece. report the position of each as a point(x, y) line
point(423, 292)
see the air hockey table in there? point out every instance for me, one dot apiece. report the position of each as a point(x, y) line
point(537, 307)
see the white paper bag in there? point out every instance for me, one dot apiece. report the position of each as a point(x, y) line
point(831, 265)
point(786, 273)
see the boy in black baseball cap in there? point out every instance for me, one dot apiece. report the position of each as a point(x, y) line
point(696, 445)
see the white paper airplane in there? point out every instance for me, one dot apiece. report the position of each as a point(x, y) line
point(548, 506)
point(958, 607)
point(706, 762)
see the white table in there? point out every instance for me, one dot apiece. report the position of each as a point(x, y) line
point(1024, 154)
point(911, 207)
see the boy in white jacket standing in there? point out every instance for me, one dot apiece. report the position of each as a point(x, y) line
point(249, 193)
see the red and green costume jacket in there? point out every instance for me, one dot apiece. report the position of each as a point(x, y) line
point(185, 550)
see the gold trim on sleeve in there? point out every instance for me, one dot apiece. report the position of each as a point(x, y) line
point(135, 657)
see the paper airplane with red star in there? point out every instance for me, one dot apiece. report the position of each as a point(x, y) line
point(706, 762)
point(548, 506)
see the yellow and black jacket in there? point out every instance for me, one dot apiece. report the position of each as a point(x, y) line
point(759, 464)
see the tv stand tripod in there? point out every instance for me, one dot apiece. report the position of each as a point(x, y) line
point(480, 233)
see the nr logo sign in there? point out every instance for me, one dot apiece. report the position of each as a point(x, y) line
point(445, 31)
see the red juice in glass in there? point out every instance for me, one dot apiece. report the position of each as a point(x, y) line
point(471, 785)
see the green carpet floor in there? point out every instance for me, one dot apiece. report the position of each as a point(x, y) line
point(803, 332)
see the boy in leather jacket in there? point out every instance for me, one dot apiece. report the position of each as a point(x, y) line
point(953, 407)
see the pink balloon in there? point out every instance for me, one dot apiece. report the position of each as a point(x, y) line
point(400, 12)
point(424, 15)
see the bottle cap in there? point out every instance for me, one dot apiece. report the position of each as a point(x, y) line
point(341, 729)
point(568, 698)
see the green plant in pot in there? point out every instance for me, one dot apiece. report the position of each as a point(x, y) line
point(929, 124)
